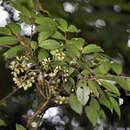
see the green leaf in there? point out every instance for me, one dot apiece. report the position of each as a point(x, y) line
point(20, 127)
point(20, 8)
point(83, 94)
point(117, 68)
point(41, 20)
point(15, 28)
point(94, 103)
point(128, 83)
point(82, 83)
point(123, 84)
point(26, 7)
point(110, 87)
point(62, 24)
point(46, 27)
point(102, 114)
point(101, 92)
point(33, 45)
point(42, 54)
point(93, 86)
point(49, 44)
point(104, 67)
point(14, 51)
point(104, 101)
point(92, 114)
point(75, 104)
point(43, 36)
point(73, 29)
point(77, 42)
point(29, 4)
point(115, 106)
point(97, 71)
point(2, 123)
point(5, 31)
point(58, 35)
point(24, 18)
point(46, 24)
point(72, 51)
point(7, 40)
point(91, 49)
point(85, 72)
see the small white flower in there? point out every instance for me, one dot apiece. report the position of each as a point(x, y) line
point(25, 88)
point(34, 124)
point(65, 80)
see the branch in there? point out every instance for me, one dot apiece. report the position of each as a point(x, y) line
point(7, 46)
point(105, 76)
point(39, 90)
point(29, 121)
point(8, 96)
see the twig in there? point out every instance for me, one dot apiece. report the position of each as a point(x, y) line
point(8, 96)
point(47, 88)
point(94, 58)
point(7, 46)
point(65, 35)
point(105, 76)
point(40, 91)
point(38, 112)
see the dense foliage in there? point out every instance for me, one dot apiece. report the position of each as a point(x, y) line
point(59, 66)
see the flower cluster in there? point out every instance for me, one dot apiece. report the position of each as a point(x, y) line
point(56, 70)
point(66, 74)
point(58, 55)
point(45, 63)
point(53, 90)
point(22, 75)
point(59, 99)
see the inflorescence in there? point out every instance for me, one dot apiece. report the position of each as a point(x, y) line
point(23, 76)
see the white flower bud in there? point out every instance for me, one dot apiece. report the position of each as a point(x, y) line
point(20, 86)
point(14, 79)
point(13, 63)
point(30, 85)
point(32, 78)
point(25, 88)
point(34, 124)
point(34, 73)
point(65, 80)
